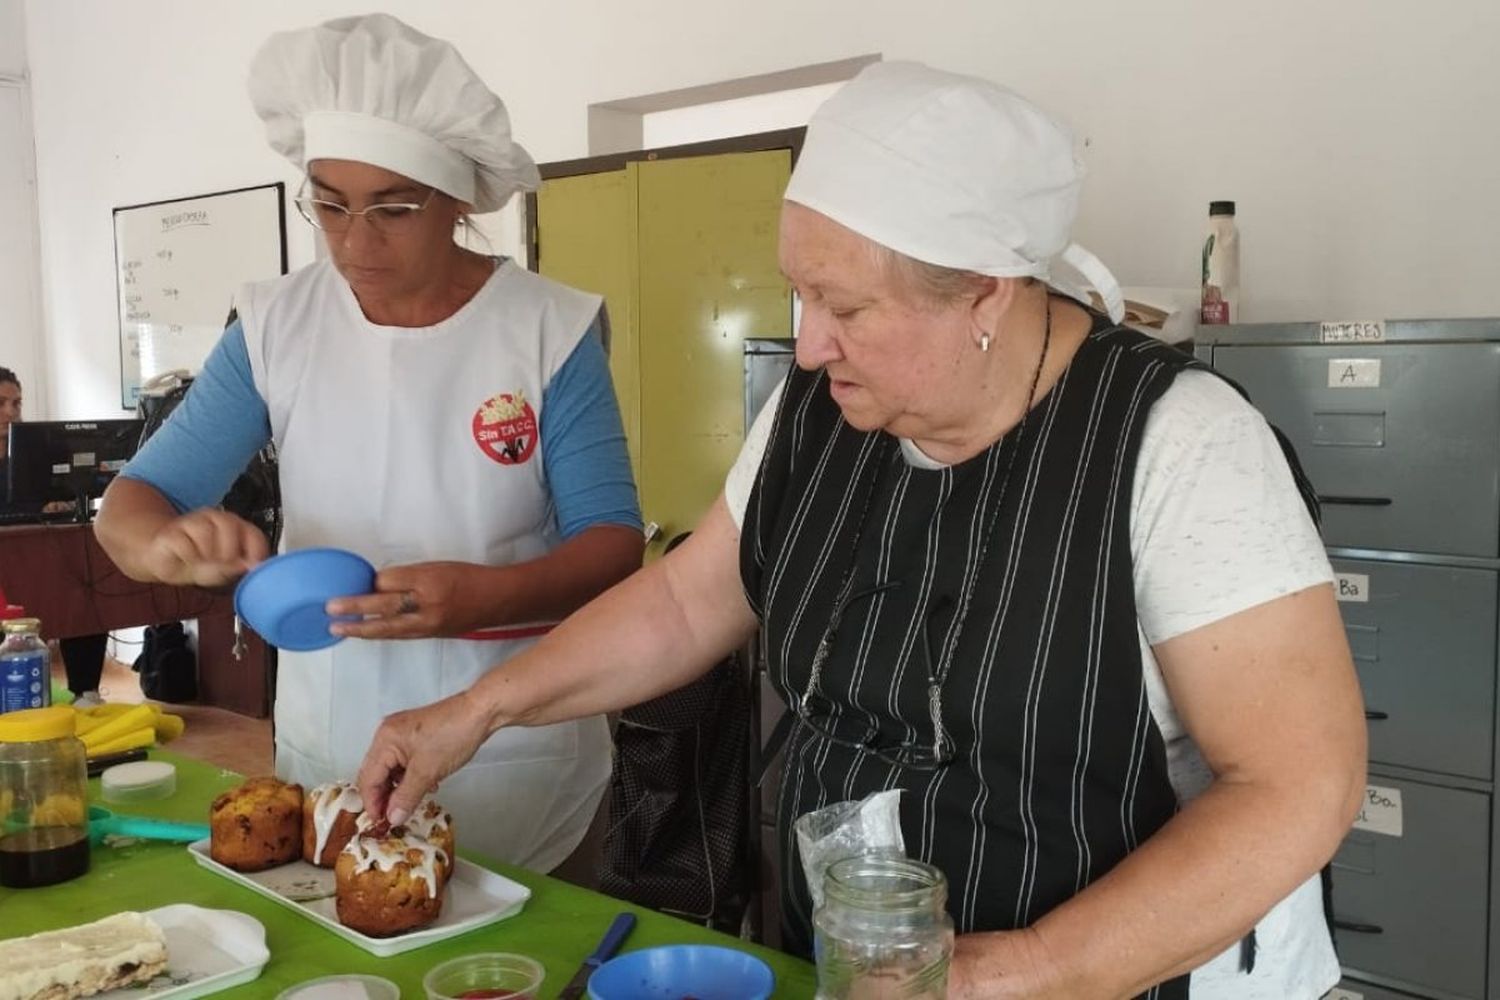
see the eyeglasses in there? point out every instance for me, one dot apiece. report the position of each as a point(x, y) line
point(386, 218)
point(815, 711)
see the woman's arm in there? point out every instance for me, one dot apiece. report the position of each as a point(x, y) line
point(150, 541)
point(157, 521)
point(1271, 698)
point(422, 600)
point(653, 633)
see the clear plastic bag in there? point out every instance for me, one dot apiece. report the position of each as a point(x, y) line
point(846, 829)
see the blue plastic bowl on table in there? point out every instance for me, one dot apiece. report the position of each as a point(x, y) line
point(672, 972)
point(283, 597)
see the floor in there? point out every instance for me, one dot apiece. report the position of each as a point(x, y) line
point(225, 739)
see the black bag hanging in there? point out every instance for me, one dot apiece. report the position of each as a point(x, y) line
point(678, 802)
point(167, 665)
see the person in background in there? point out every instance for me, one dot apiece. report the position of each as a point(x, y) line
point(82, 656)
point(446, 414)
point(10, 413)
point(1054, 580)
point(83, 664)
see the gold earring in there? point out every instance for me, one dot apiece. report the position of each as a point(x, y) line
point(984, 342)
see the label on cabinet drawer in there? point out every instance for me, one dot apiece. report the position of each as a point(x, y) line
point(1381, 811)
point(1354, 373)
point(1352, 588)
point(1370, 331)
point(1339, 993)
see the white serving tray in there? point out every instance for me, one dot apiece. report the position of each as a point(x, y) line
point(207, 951)
point(475, 897)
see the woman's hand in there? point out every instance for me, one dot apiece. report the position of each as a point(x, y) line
point(1004, 964)
point(418, 601)
point(414, 750)
point(204, 548)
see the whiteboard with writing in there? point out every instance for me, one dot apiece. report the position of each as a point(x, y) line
point(178, 265)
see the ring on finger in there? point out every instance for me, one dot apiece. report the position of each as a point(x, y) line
point(408, 605)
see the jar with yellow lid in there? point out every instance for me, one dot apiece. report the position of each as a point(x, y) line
point(44, 835)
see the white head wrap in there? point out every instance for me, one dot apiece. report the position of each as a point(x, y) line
point(375, 90)
point(952, 170)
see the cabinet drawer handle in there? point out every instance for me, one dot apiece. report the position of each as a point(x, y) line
point(1375, 716)
point(1355, 501)
point(1353, 928)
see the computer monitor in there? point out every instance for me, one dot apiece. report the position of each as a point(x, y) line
point(72, 460)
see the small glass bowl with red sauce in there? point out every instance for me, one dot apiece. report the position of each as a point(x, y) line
point(488, 976)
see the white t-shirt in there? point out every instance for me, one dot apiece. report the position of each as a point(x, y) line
point(1216, 526)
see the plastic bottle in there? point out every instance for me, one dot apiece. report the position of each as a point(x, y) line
point(1221, 266)
point(25, 666)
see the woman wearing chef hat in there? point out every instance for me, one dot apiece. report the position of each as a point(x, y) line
point(1049, 577)
point(447, 415)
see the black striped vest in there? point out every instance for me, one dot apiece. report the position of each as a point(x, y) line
point(1059, 770)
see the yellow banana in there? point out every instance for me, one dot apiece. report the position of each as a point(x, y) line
point(84, 722)
point(169, 727)
point(139, 716)
point(142, 737)
point(112, 708)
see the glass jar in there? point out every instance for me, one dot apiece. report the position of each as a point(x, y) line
point(44, 834)
point(883, 930)
point(25, 666)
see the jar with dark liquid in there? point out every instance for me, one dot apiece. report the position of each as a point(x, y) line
point(44, 835)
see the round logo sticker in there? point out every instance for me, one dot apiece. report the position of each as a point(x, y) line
point(505, 428)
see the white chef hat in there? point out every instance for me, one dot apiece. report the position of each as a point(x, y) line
point(375, 90)
point(952, 170)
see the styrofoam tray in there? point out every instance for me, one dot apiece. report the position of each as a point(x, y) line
point(207, 951)
point(475, 897)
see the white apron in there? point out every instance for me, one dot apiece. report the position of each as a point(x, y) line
point(410, 445)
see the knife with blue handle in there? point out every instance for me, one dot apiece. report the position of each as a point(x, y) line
point(619, 929)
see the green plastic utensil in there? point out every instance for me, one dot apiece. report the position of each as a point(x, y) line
point(103, 823)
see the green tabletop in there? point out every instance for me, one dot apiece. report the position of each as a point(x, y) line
point(560, 925)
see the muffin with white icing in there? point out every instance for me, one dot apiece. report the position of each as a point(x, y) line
point(390, 885)
point(330, 817)
point(429, 821)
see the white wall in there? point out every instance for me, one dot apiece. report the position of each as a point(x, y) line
point(20, 275)
point(12, 38)
point(1358, 136)
point(740, 116)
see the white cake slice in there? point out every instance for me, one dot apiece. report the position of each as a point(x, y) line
point(82, 961)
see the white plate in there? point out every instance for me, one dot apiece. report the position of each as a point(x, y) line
point(475, 897)
point(207, 951)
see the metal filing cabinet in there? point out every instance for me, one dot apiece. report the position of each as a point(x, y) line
point(1398, 427)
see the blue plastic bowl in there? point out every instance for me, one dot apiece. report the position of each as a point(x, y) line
point(283, 598)
point(701, 971)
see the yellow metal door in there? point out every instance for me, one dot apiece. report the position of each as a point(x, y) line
point(684, 252)
point(708, 278)
point(587, 240)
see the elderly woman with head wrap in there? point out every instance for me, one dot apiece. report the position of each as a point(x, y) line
point(1047, 576)
point(446, 414)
